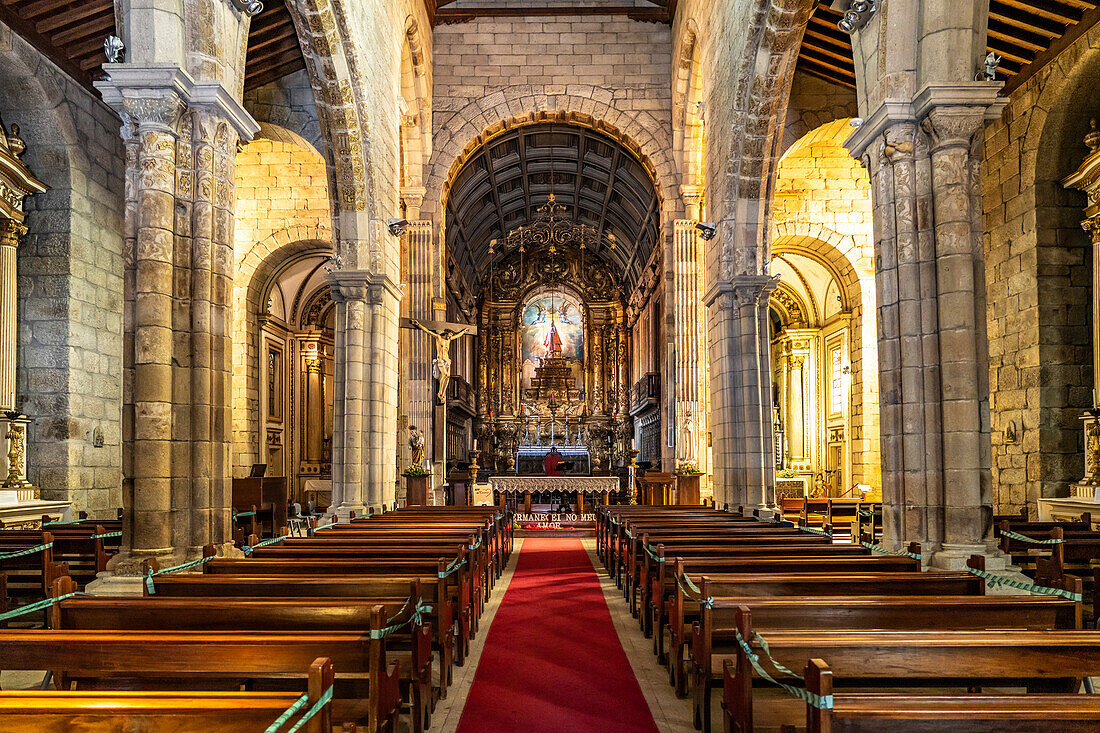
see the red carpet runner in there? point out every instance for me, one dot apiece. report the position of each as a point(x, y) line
point(552, 660)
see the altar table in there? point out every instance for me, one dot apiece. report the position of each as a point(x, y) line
point(528, 485)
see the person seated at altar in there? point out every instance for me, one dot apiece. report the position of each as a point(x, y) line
point(553, 464)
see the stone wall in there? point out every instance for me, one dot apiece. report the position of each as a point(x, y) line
point(288, 103)
point(283, 209)
point(70, 281)
point(815, 102)
point(491, 69)
point(1038, 274)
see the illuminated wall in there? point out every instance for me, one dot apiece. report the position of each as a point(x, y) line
point(282, 212)
point(825, 359)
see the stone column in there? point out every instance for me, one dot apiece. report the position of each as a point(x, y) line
point(182, 137)
point(686, 381)
point(930, 285)
point(966, 518)
point(741, 404)
point(152, 510)
point(365, 390)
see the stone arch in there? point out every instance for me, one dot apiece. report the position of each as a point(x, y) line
point(853, 269)
point(837, 252)
point(253, 276)
point(342, 107)
point(70, 280)
point(468, 128)
point(416, 120)
point(763, 74)
point(687, 123)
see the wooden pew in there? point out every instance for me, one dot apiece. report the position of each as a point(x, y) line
point(179, 712)
point(457, 582)
point(442, 617)
point(81, 546)
point(1044, 661)
point(855, 712)
point(714, 635)
point(684, 610)
point(271, 615)
point(28, 576)
point(664, 584)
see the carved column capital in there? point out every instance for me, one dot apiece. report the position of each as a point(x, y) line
point(953, 127)
point(11, 232)
point(752, 290)
point(159, 111)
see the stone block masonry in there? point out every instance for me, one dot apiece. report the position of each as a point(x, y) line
point(70, 281)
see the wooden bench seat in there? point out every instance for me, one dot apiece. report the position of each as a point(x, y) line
point(409, 649)
point(714, 635)
point(177, 661)
point(684, 610)
point(856, 712)
point(28, 577)
point(1045, 661)
point(442, 617)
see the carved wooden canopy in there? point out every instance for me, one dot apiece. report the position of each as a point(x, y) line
point(16, 180)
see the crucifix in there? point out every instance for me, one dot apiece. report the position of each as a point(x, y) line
point(442, 333)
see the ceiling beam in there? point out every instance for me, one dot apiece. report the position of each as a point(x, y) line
point(1088, 19)
point(12, 19)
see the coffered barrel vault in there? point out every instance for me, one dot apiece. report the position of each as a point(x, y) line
point(597, 180)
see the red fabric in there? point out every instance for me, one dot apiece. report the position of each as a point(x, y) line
point(551, 464)
point(552, 660)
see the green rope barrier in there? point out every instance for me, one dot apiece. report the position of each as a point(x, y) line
point(280, 721)
point(174, 569)
point(1042, 590)
point(248, 549)
point(1024, 538)
point(415, 619)
point(453, 568)
point(238, 515)
point(476, 544)
point(28, 551)
point(37, 606)
point(107, 535)
point(883, 551)
point(308, 715)
point(653, 553)
point(815, 530)
point(821, 702)
point(691, 590)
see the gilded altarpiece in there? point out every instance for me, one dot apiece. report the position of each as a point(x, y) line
point(552, 359)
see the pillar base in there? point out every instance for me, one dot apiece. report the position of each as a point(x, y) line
point(954, 557)
point(109, 584)
point(343, 512)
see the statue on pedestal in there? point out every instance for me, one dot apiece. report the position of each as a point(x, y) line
point(416, 444)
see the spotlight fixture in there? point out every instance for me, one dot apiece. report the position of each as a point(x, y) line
point(397, 226)
point(251, 8)
point(857, 15)
point(856, 122)
point(706, 230)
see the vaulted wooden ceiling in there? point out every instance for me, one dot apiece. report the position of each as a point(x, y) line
point(596, 179)
point(1026, 33)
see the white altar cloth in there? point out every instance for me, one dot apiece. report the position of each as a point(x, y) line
point(523, 484)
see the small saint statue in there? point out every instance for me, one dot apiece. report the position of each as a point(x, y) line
point(992, 61)
point(442, 361)
point(416, 444)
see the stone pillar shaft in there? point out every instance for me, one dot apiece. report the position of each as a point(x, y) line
point(153, 334)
